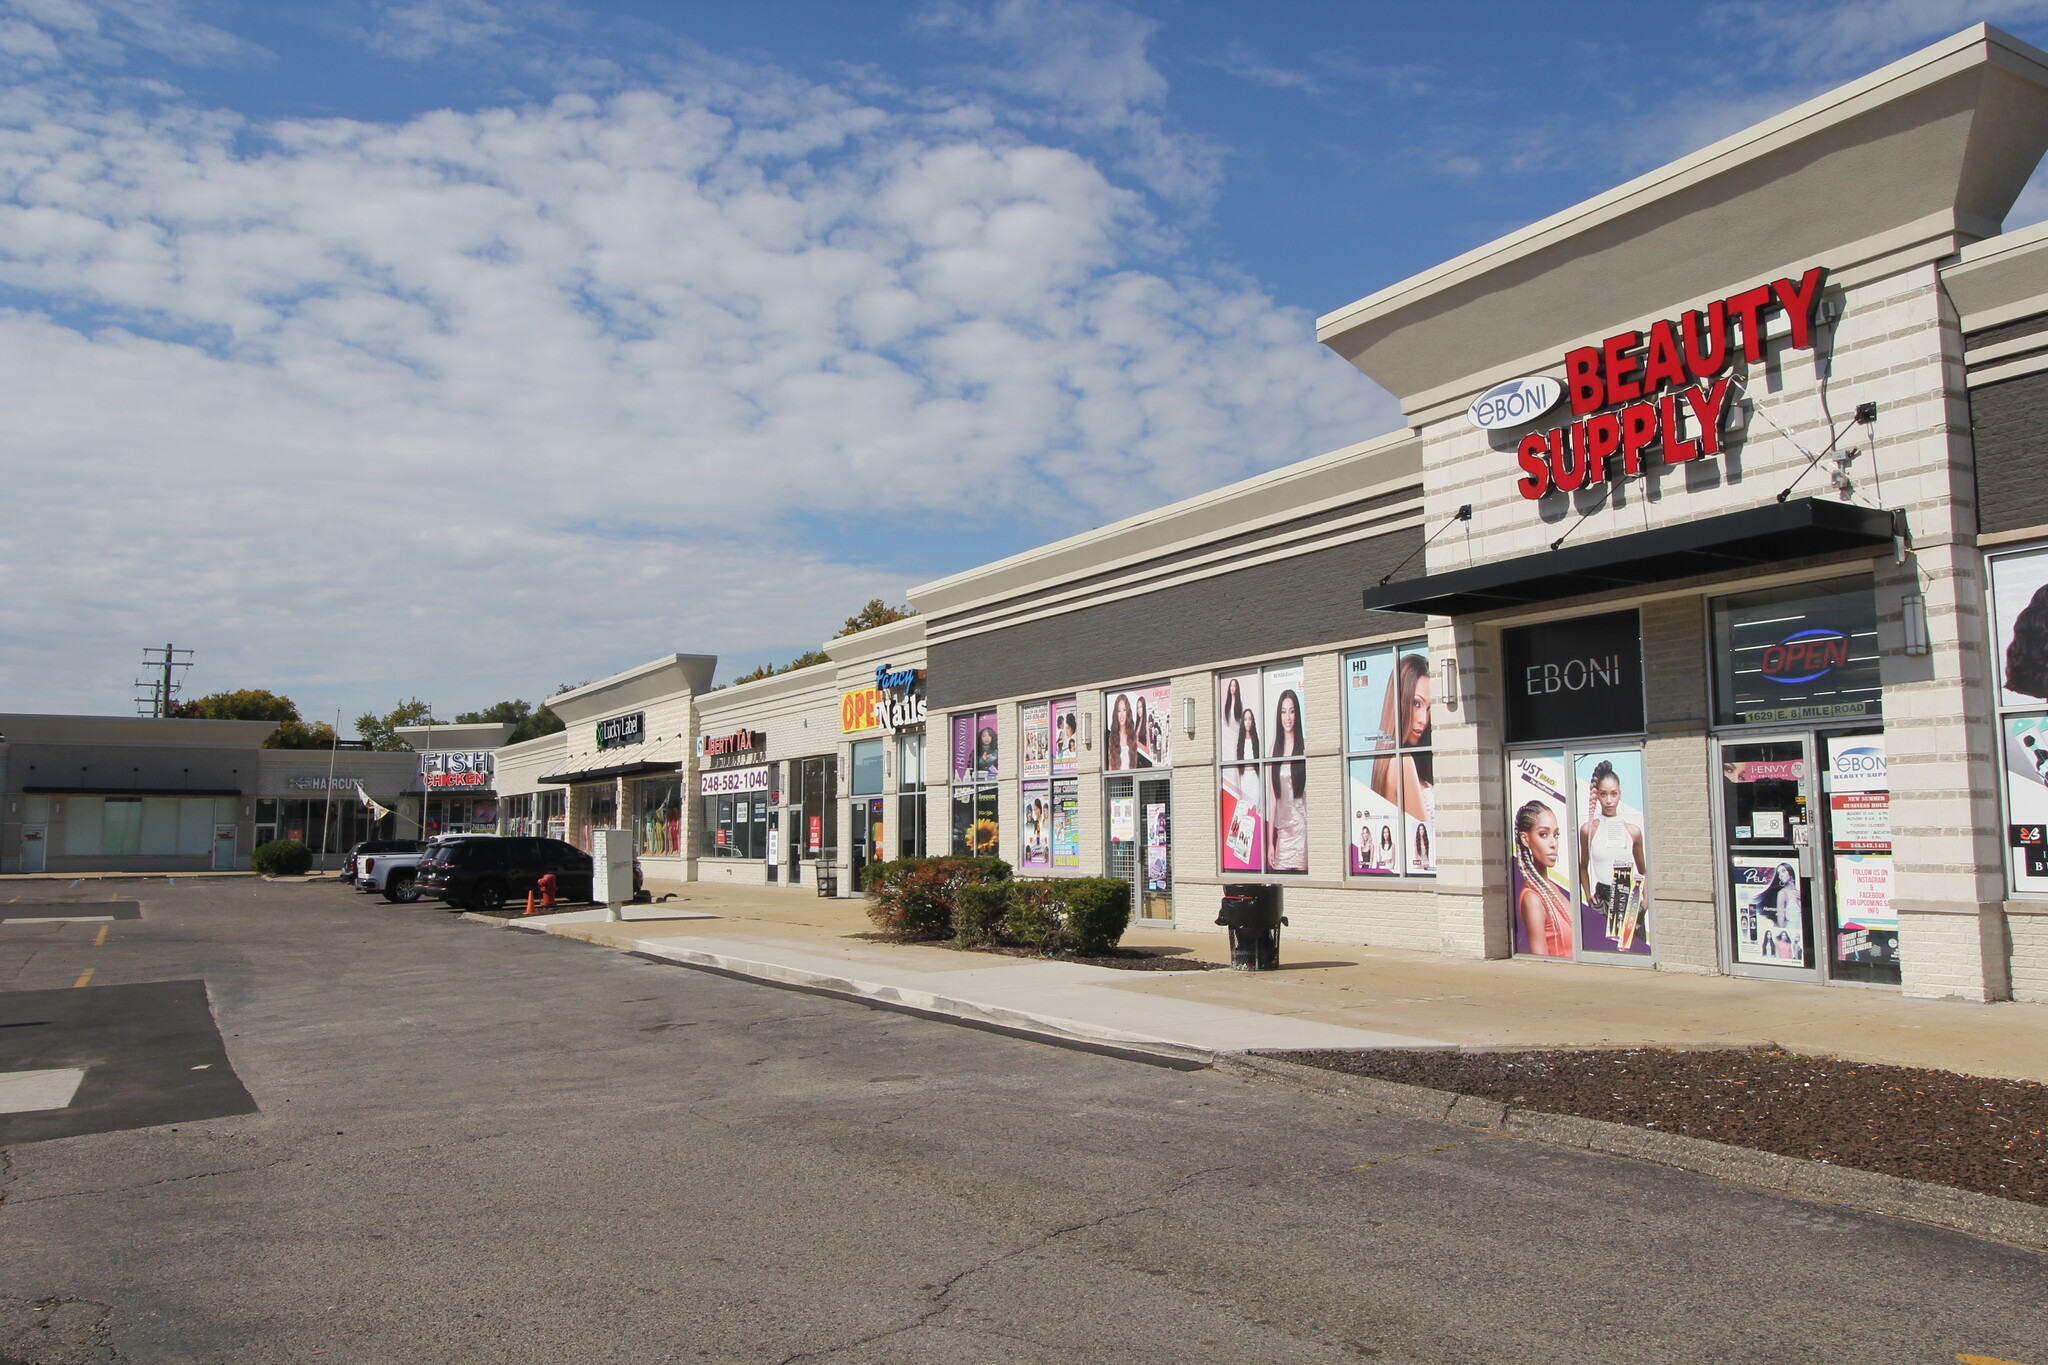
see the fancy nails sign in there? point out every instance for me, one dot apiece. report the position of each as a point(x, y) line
point(1638, 392)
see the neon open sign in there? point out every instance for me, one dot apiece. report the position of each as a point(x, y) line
point(1805, 655)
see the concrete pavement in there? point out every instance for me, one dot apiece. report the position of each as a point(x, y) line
point(1338, 995)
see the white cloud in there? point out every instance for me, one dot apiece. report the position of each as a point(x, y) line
point(530, 393)
point(1845, 40)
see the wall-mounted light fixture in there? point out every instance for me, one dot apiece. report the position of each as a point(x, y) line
point(1187, 716)
point(1448, 670)
point(1915, 616)
point(1088, 729)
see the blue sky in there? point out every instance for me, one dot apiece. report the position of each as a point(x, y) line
point(461, 348)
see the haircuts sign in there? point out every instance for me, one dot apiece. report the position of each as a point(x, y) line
point(1665, 390)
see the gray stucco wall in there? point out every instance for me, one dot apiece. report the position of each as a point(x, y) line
point(1286, 605)
point(2009, 425)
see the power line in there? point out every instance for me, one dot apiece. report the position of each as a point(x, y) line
point(154, 695)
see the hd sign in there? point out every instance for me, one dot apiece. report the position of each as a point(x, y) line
point(1664, 390)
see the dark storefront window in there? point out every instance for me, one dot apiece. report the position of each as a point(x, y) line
point(910, 827)
point(814, 810)
point(1797, 655)
point(734, 826)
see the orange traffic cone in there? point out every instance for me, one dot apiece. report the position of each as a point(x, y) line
point(529, 902)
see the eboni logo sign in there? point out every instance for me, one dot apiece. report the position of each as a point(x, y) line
point(1571, 679)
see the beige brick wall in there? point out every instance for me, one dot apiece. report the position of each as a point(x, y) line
point(1680, 839)
point(2028, 936)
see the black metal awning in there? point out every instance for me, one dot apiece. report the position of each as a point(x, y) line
point(606, 774)
point(1798, 529)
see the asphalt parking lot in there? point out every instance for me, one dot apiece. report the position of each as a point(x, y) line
point(463, 1144)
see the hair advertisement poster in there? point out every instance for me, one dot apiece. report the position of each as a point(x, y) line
point(1539, 878)
point(963, 748)
point(1770, 915)
point(1034, 739)
point(1066, 824)
point(1368, 725)
point(1239, 738)
point(1066, 737)
point(1242, 833)
point(1137, 728)
point(2026, 800)
point(1608, 842)
point(1036, 810)
point(1286, 719)
point(2019, 610)
point(1374, 825)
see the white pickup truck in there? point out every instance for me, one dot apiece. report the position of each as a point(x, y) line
point(395, 874)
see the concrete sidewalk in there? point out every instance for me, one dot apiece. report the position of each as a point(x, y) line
point(1326, 995)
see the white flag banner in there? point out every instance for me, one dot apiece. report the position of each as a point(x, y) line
point(379, 812)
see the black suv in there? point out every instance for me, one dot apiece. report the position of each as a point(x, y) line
point(484, 872)
point(348, 867)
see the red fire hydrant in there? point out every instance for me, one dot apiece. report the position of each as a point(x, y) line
point(547, 890)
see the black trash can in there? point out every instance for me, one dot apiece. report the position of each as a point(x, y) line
point(1251, 911)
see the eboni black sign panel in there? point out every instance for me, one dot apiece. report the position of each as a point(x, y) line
point(1568, 679)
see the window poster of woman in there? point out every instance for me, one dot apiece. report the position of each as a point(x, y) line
point(985, 747)
point(1286, 721)
point(1137, 731)
point(1613, 870)
point(2019, 604)
point(1374, 825)
point(1770, 915)
point(1242, 831)
point(1408, 780)
point(1066, 737)
point(1034, 739)
point(1237, 718)
point(1287, 816)
point(1539, 877)
point(1037, 818)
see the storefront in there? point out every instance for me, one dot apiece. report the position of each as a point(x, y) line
point(623, 761)
point(1702, 557)
point(806, 778)
point(332, 802)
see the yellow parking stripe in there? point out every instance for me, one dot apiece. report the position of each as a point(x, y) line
point(83, 977)
point(103, 935)
point(1986, 1360)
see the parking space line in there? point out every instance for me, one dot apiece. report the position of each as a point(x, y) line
point(83, 977)
point(103, 935)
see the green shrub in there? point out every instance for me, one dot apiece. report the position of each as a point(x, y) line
point(282, 858)
point(1094, 913)
point(913, 898)
point(1034, 918)
point(980, 912)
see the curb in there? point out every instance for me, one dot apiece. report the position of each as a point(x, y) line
point(1943, 1206)
point(1018, 1022)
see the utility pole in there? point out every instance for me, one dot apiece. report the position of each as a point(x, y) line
point(163, 688)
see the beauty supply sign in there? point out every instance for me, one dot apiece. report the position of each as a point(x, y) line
point(1663, 393)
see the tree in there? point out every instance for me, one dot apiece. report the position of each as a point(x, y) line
point(253, 703)
point(527, 722)
point(381, 731)
point(875, 613)
point(803, 660)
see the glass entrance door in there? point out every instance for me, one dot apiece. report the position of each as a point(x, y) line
point(1768, 862)
point(1155, 840)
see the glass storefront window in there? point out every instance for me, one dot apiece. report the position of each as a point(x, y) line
point(867, 767)
point(1798, 654)
point(1262, 788)
point(660, 819)
point(734, 826)
point(1392, 792)
point(910, 819)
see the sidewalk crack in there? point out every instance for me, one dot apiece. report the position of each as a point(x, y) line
point(146, 1184)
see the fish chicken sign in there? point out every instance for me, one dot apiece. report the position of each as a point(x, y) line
point(1638, 392)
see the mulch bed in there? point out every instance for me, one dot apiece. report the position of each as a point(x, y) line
point(1989, 1136)
point(1123, 959)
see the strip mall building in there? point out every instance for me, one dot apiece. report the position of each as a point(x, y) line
point(1696, 621)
